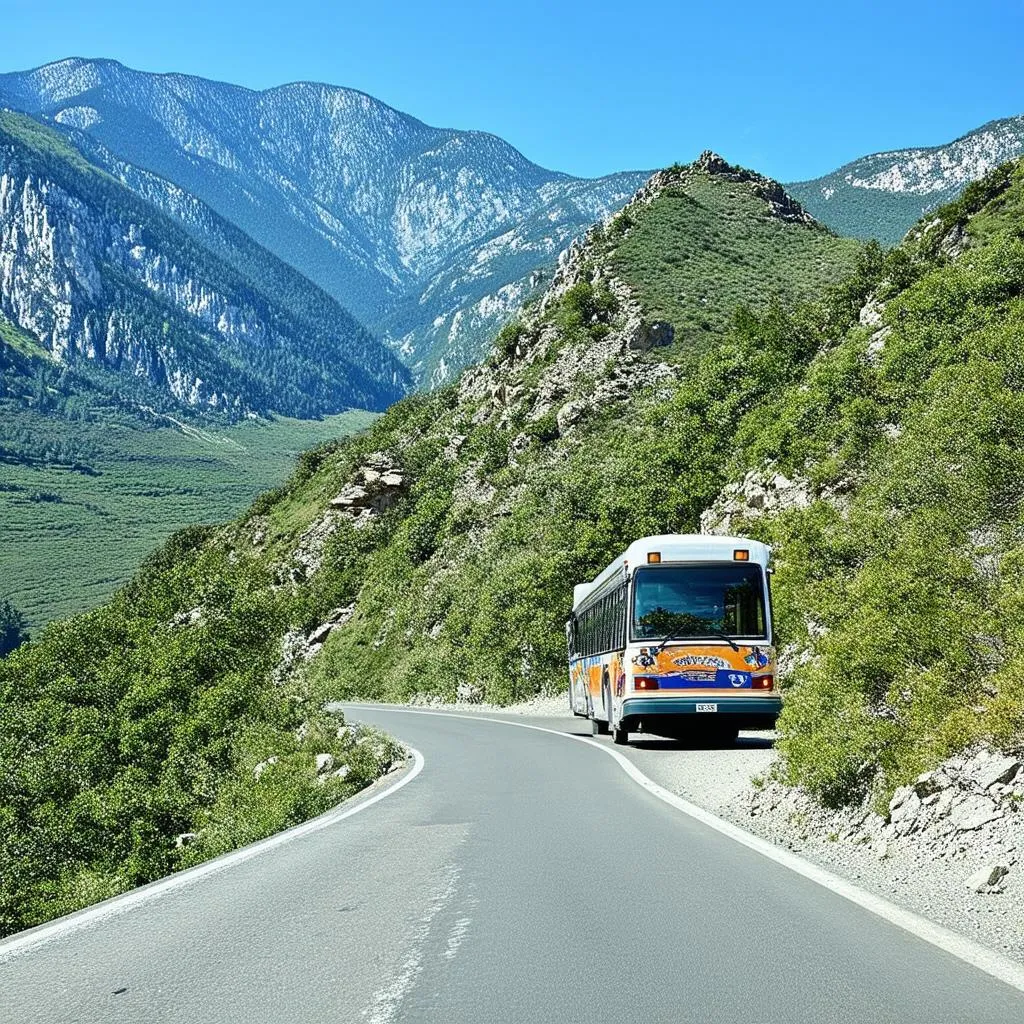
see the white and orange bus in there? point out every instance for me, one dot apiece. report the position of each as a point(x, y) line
point(675, 638)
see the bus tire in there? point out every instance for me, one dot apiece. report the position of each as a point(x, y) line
point(619, 735)
point(598, 727)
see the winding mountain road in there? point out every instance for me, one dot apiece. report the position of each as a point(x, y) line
point(518, 877)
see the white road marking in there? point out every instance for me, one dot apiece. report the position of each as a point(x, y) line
point(387, 1000)
point(36, 937)
point(984, 959)
point(455, 937)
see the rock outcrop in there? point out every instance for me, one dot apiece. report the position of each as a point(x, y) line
point(759, 493)
point(376, 486)
point(94, 273)
point(966, 810)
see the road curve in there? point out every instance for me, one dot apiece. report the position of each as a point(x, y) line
point(521, 877)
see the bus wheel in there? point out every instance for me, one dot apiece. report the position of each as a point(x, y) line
point(598, 727)
point(620, 736)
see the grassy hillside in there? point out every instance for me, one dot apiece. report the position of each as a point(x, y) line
point(73, 535)
point(436, 551)
point(705, 243)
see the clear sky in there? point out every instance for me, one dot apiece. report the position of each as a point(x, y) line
point(789, 87)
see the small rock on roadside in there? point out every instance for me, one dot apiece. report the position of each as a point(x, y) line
point(988, 879)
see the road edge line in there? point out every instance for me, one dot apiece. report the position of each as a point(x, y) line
point(985, 959)
point(23, 942)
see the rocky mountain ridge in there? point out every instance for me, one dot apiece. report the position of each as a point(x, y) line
point(404, 224)
point(882, 195)
point(92, 272)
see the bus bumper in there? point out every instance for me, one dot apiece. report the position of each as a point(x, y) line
point(665, 715)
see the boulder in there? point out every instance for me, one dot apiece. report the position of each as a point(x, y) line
point(998, 770)
point(342, 772)
point(182, 839)
point(988, 879)
point(569, 415)
point(972, 812)
point(871, 312)
point(469, 693)
point(350, 495)
point(339, 616)
point(324, 763)
point(655, 334)
point(931, 783)
point(376, 486)
point(320, 634)
point(262, 767)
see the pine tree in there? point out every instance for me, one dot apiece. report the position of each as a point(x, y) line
point(13, 627)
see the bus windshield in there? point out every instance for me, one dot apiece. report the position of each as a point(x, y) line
point(699, 601)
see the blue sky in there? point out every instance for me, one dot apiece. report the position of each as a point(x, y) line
point(791, 88)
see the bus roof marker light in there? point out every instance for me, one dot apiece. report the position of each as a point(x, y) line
point(741, 555)
point(653, 557)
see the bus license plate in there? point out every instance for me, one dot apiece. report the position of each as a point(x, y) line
point(713, 708)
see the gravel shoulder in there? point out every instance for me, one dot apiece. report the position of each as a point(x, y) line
point(935, 852)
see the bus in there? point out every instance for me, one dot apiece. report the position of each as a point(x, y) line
point(674, 638)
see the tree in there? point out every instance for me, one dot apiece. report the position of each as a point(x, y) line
point(13, 627)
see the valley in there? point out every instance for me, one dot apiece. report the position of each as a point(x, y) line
point(73, 536)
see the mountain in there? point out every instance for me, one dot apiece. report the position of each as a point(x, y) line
point(404, 224)
point(883, 195)
point(432, 554)
point(94, 273)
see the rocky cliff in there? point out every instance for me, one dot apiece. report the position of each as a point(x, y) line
point(883, 195)
point(93, 272)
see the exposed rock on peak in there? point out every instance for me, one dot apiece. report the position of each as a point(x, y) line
point(780, 203)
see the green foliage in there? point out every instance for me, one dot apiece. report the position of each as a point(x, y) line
point(134, 482)
point(508, 338)
point(901, 582)
point(585, 311)
point(13, 627)
point(130, 726)
point(705, 246)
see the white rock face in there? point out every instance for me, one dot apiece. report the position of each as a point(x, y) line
point(52, 247)
point(759, 493)
point(403, 223)
point(882, 195)
point(924, 171)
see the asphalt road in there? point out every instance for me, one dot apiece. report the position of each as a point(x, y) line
point(519, 877)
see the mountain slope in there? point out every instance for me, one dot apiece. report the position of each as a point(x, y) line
point(872, 435)
point(93, 272)
point(369, 203)
point(432, 552)
point(881, 196)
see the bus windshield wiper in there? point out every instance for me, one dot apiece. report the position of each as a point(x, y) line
point(686, 636)
point(729, 640)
